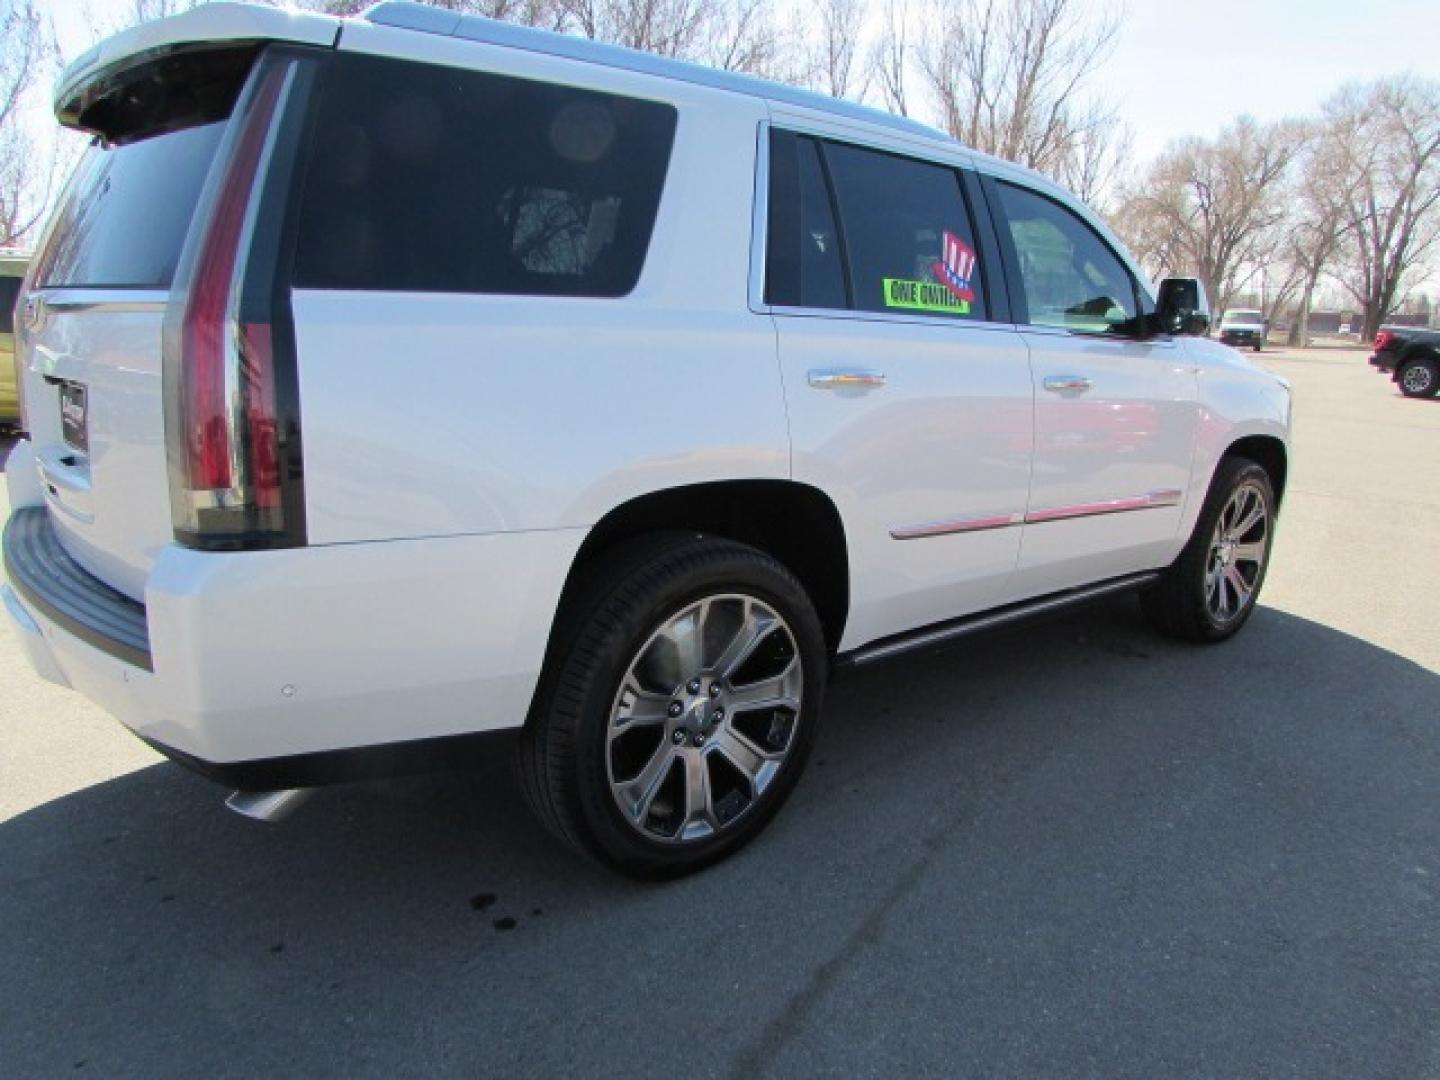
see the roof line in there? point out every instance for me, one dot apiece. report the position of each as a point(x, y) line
point(403, 14)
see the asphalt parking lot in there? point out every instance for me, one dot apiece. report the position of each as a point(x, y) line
point(1073, 850)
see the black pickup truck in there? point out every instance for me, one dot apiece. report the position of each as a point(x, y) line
point(1411, 357)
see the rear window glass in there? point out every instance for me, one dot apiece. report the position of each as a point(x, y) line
point(125, 219)
point(433, 179)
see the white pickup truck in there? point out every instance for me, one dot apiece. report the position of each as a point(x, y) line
point(1244, 329)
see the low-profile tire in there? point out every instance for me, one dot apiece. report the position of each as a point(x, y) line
point(1419, 378)
point(680, 703)
point(1210, 591)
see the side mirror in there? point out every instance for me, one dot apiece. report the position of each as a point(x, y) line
point(1181, 307)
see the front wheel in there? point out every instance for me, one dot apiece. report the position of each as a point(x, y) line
point(1209, 592)
point(683, 701)
point(1419, 378)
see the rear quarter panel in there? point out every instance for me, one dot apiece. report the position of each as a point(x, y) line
point(448, 414)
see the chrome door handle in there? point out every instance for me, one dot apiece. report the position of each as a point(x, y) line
point(1060, 383)
point(845, 378)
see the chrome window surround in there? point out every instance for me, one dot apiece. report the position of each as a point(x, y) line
point(1078, 209)
point(760, 221)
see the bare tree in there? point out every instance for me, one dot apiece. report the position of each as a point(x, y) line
point(1147, 224)
point(1009, 75)
point(1318, 225)
point(667, 27)
point(743, 36)
point(737, 35)
point(1387, 134)
point(890, 57)
point(1211, 208)
point(1279, 273)
point(142, 11)
point(27, 175)
point(1100, 148)
point(833, 54)
point(548, 14)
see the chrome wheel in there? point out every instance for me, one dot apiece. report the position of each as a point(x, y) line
point(1418, 379)
point(1237, 553)
point(704, 718)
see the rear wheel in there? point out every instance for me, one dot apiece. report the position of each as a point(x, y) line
point(680, 709)
point(1209, 592)
point(1419, 378)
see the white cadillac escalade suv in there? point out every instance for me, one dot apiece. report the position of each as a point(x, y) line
point(396, 382)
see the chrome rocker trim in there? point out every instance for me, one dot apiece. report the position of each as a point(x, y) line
point(1150, 501)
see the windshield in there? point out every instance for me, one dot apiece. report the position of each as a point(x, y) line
point(1244, 316)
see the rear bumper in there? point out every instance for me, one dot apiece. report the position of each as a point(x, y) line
point(1384, 361)
point(56, 586)
point(322, 663)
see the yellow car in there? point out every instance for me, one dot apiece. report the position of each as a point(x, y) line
point(12, 270)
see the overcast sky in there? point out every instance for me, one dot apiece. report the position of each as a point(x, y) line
point(1187, 68)
point(1179, 68)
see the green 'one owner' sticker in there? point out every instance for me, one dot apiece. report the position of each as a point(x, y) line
point(923, 296)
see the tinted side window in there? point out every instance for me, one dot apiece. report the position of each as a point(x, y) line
point(124, 222)
point(1071, 277)
point(907, 233)
point(435, 179)
point(803, 266)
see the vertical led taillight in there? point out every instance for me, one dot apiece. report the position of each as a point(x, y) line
point(232, 414)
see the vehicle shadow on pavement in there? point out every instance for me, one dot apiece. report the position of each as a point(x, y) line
point(1074, 849)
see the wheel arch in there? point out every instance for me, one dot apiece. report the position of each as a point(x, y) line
point(795, 523)
point(1418, 350)
point(1269, 453)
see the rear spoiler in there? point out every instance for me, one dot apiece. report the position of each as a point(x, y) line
point(100, 70)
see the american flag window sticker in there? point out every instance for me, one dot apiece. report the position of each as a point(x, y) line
point(950, 293)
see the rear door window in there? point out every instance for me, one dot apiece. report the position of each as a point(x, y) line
point(908, 235)
point(128, 210)
point(1069, 275)
point(432, 179)
point(803, 259)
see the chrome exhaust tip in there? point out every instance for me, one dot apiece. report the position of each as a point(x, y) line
point(267, 805)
